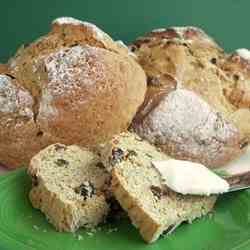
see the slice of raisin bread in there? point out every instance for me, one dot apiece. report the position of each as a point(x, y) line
point(68, 187)
point(137, 186)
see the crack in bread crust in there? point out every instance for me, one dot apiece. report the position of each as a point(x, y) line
point(84, 87)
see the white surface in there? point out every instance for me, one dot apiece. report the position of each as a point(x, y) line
point(190, 178)
point(73, 21)
point(244, 53)
point(67, 20)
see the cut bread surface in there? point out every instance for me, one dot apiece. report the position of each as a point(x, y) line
point(137, 186)
point(68, 185)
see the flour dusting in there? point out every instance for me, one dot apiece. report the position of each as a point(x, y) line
point(46, 108)
point(71, 69)
point(184, 119)
point(14, 99)
point(244, 53)
point(73, 21)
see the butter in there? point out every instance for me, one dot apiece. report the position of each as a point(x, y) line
point(190, 178)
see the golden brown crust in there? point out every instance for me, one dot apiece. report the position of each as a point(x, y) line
point(3, 68)
point(187, 58)
point(84, 88)
point(17, 127)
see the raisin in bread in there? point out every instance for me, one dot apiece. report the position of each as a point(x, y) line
point(68, 185)
point(138, 188)
point(84, 88)
point(186, 60)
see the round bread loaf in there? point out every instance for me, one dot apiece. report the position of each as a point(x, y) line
point(189, 109)
point(74, 85)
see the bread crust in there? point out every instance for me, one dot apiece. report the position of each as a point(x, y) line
point(185, 58)
point(83, 86)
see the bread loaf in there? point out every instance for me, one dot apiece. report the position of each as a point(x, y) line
point(76, 85)
point(191, 109)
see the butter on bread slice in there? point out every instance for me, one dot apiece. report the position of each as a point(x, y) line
point(138, 188)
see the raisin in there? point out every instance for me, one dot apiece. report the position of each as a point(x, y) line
point(86, 189)
point(236, 77)
point(158, 192)
point(39, 133)
point(34, 180)
point(153, 80)
point(132, 48)
point(117, 155)
point(243, 144)
point(59, 147)
point(213, 60)
point(131, 153)
point(148, 155)
point(61, 162)
point(100, 165)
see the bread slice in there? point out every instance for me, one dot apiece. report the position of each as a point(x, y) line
point(68, 185)
point(137, 186)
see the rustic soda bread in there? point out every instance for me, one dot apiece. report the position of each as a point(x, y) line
point(83, 88)
point(138, 188)
point(196, 105)
point(68, 185)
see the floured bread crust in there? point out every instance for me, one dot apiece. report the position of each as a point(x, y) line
point(186, 59)
point(83, 88)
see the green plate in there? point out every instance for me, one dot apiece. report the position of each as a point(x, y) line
point(24, 228)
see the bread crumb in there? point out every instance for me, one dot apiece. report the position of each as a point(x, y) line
point(112, 230)
point(79, 237)
point(210, 215)
point(89, 234)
